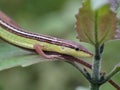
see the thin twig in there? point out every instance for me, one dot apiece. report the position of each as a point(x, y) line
point(74, 59)
point(90, 67)
point(115, 70)
point(114, 84)
point(82, 70)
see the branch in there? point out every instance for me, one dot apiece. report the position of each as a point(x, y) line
point(82, 70)
point(114, 84)
point(90, 67)
point(115, 70)
point(74, 59)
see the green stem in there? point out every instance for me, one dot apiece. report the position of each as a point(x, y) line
point(115, 70)
point(96, 65)
point(84, 72)
point(96, 70)
point(95, 87)
point(97, 59)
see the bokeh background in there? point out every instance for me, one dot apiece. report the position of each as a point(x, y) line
point(55, 18)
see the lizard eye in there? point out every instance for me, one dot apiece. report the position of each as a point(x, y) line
point(77, 49)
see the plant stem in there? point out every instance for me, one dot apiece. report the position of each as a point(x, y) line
point(84, 72)
point(95, 87)
point(80, 61)
point(96, 65)
point(96, 69)
point(97, 58)
point(115, 70)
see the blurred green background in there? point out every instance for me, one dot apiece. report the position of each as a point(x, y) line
point(55, 18)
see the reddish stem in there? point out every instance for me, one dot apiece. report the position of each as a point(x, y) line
point(114, 84)
point(71, 58)
point(90, 67)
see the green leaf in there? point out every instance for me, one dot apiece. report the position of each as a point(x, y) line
point(95, 25)
point(11, 56)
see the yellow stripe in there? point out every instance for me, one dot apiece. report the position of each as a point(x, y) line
point(29, 43)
